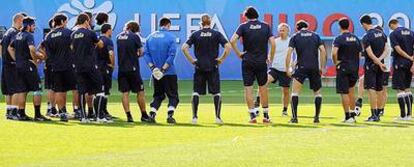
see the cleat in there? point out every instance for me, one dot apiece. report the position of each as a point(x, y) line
point(77, 114)
point(373, 119)
point(294, 121)
point(146, 120)
point(171, 120)
point(349, 121)
point(253, 121)
point(381, 113)
point(103, 120)
point(316, 120)
point(23, 117)
point(284, 114)
point(130, 119)
point(267, 121)
point(400, 119)
point(84, 120)
point(64, 117)
point(194, 120)
point(219, 121)
point(41, 118)
point(408, 118)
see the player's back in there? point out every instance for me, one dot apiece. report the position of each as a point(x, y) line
point(255, 35)
point(128, 44)
point(306, 44)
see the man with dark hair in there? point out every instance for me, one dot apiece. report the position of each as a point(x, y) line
point(311, 58)
point(206, 49)
point(160, 52)
point(346, 52)
point(106, 62)
point(83, 44)
point(101, 19)
point(8, 74)
point(22, 50)
point(130, 49)
point(402, 42)
point(374, 43)
point(256, 37)
point(57, 47)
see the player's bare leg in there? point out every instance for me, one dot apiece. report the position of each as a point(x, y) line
point(285, 100)
point(373, 99)
point(248, 96)
point(142, 107)
point(358, 102)
point(264, 96)
point(125, 105)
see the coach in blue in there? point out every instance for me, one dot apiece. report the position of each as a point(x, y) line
point(160, 52)
point(402, 42)
point(374, 43)
point(308, 46)
point(256, 37)
point(206, 49)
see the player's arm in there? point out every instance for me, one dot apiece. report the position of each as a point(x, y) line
point(172, 51)
point(35, 54)
point(140, 52)
point(12, 52)
point(100, 44)
point(236, 49)
point(402, 53)
point(335, 55)
point(272, 49)
point(111, 59)
point(287, 61)
point(148, 57)
point(322, 56)
point(186, 52)
point(226, 52)
point(377, 61)
point(42, 50)
point(1, 51)
point(386, 52)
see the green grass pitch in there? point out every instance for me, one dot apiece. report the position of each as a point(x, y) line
point(236, 143)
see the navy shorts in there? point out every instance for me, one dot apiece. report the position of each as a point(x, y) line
point(315, 81)
point(130, 81)
point(204, 78)
point(254, 71)
point(281, 77)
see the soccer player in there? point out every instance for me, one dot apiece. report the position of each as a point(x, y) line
point(346, 52)
point(160, 52)
point(57, 46)
point(374, 43)
point(22, 50)
point(51, 105)
point(130, 49)
point(306, 44)
point(106, 62)
point(88, 76)
point(8, 75)
point(402, 41)
point(206, 49)
point(256, 37)
point(277, 72)
point(387, 62)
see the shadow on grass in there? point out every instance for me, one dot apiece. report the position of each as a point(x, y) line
point(311, 117)
point(288, 125)
point(53, 122)
point(384, 124)
point(244, 125)
point(347, 125)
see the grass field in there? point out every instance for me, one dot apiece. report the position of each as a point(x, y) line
point(236, 143)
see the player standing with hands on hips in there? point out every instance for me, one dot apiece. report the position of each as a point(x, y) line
point(206, 49)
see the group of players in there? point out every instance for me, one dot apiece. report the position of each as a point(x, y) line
point(81, 60)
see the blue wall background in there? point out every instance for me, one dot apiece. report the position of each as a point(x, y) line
point(228, 12)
